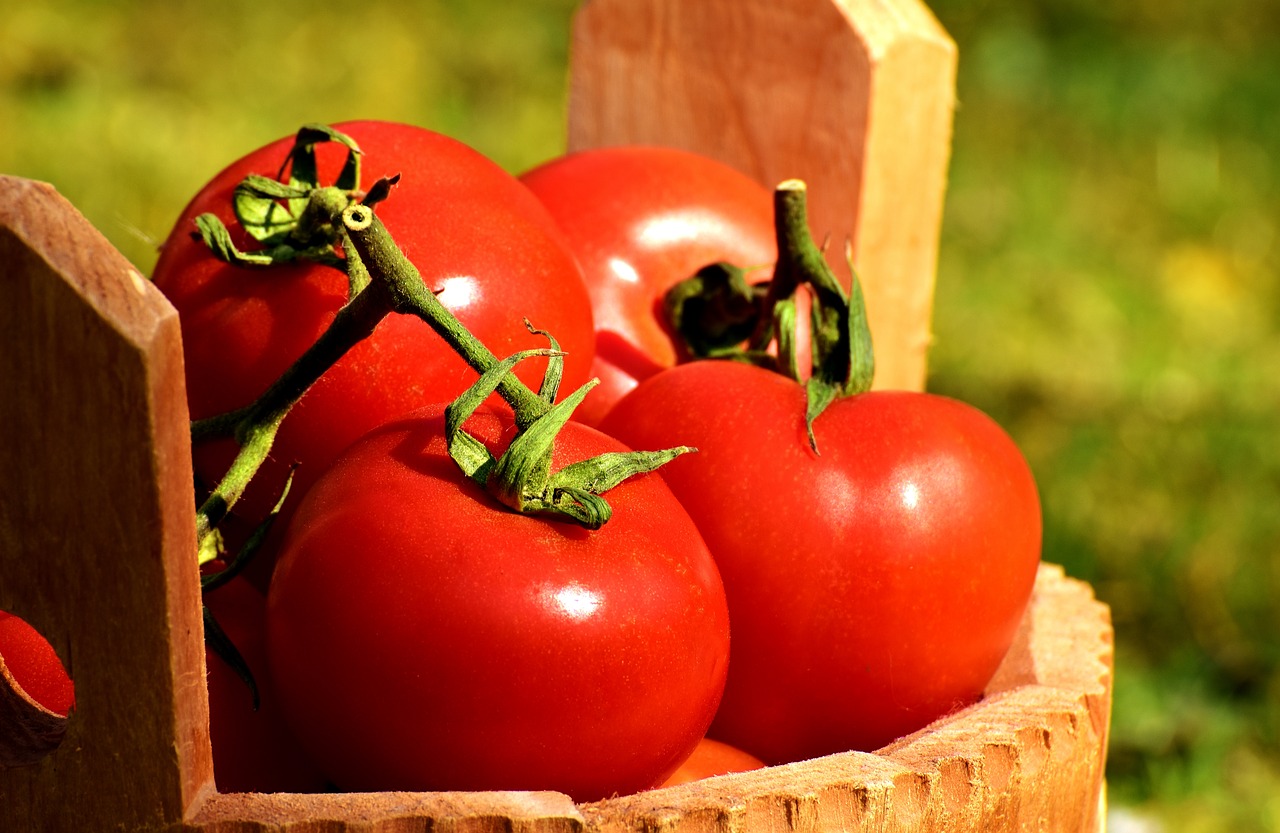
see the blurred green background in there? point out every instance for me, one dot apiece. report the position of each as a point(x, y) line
point(1107, 288)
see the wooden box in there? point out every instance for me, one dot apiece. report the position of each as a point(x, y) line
point(96, 514)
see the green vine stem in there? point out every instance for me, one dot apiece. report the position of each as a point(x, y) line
point(399, 288)
point(404, 292)
point(717, 306)
point(383, 281)
point(254, 427)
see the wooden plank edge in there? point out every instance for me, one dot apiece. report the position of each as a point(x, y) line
point(94, 352)
point(387, 812)
point(978, 769)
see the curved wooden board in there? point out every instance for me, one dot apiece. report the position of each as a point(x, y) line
point(1028, 756)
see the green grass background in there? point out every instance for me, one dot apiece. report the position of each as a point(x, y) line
point(1107, 287)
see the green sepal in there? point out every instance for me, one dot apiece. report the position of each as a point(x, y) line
point(601, 473)
point(818, 394)
point(216, 639)
point(785, 315)
point(862, 358)
point(550, 387)
point(840, 340)
point(255, 201)
point(521, 478)
point(470, 454)
point(218, 239)
point(843, 358)
point(303, 171)
point(522, 474)
point(296, 220)
point(713, 312)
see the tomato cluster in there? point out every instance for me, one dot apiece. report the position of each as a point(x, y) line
point(418, 634)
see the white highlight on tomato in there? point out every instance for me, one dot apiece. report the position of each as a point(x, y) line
point(576, 601)
point(623, 271)
point(910, 495)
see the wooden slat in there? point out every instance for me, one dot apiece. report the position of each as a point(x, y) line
point(853, 96)
point(1027, 757)
point(97, 522)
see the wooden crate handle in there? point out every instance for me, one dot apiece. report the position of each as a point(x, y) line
point(853, 96)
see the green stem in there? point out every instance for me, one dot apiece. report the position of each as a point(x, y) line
point(394, 275)
point(255, 427)
point(800, 260)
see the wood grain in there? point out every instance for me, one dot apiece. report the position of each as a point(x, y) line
point(1029, 756)
point(97, 522)
point(853, 96)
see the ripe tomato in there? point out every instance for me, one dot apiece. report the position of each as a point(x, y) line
point(640, 219)
point(31, 662)
point(422, 637)
point(478, 237)
point(872, 587)
point(711, 758)
point(253, 749)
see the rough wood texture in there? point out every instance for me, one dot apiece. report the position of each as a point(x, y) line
point(484, 812)
point(97, 522)
point(1030, 756)
point(853, 96)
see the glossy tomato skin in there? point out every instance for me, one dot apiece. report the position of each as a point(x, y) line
point(475, 233)
point(873, 587)
point(422, 638)
point(640, 219)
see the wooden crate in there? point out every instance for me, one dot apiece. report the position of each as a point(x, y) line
point(96, 514)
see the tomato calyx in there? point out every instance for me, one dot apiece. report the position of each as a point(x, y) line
point(521, 477)
point(843, 358)
point(298, 219)
point(720, 315)
point(715, 311)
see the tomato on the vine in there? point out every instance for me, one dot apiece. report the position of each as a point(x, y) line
point(640, 219)
point(873, 586)
point(479, 238)
point(423, 637)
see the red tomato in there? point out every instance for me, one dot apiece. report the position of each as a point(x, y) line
point(712, 758)
point(32, 663)
point(423, 638)
point(478, 237)
point(253, 750)
point(641, 219)
point(872, 587)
